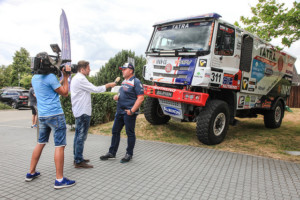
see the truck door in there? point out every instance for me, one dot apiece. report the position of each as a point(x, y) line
point(225, 60)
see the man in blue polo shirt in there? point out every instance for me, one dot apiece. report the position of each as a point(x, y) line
point(130, 98)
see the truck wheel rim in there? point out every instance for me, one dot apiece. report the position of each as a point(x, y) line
point(219, 124)
point(277, 114)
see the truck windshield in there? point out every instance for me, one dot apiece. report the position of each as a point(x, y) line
point(185, 36)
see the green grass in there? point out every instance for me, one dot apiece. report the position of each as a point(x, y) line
point(249, 136)
point(4, 106)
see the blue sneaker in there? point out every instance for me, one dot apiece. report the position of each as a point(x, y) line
point(30, 177)
point(65, 183)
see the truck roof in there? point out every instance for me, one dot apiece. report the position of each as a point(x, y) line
point(208, 15)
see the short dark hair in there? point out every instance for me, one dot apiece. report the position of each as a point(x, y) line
point(82, 64)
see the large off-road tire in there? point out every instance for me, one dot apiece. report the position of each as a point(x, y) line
point(273, 118)
point(153, 112)
point(213, 122)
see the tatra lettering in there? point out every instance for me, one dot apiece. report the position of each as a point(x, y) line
point(180, 26)
point(267, 53)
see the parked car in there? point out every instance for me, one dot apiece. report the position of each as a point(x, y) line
point(15, 97)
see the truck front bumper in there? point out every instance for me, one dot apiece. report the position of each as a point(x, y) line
point(177, 95)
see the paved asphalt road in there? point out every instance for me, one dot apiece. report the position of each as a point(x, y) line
point(157, 171)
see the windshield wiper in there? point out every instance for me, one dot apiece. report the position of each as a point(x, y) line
point(184, 49)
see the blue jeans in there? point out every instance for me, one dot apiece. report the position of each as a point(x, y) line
point(82, 124)
point(57, 124)
point(120, 121)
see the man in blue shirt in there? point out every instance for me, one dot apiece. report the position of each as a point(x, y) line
point(51, 117)
point(130, 98)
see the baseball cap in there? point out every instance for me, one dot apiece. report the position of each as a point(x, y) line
point(127, 65)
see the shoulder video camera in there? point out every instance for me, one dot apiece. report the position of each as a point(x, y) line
point(44, 63)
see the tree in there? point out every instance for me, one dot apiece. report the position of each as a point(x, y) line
point(5, 75)
point(111, 70)
point(273, 20)
point(26, 81)
point(20, 65)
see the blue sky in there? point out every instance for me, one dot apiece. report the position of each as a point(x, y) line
point(101, 28)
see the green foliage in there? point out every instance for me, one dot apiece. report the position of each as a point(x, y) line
point(9, 75)
point(103, 108)
point(111, 70)
point(26, 81)
point(273, 20)
point(21, 65)
point(4, 106)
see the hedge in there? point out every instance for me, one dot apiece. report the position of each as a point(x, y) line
point(103, 108)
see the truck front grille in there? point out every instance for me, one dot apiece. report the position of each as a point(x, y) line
point(156, 74)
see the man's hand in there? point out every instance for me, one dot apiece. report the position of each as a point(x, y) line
point(66, 70)
point(129, 112)
point(116, 97)
point(112, 84)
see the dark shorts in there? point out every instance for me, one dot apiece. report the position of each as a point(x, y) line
point(33, 110)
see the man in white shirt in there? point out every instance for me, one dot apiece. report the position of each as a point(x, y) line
point(81, 90)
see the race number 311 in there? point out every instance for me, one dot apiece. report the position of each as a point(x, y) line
point(216, 77)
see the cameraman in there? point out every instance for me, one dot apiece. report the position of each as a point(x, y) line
point(81, 90)
point(51, 117)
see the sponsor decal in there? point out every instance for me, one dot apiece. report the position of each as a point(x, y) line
point(168, 68)
point(285, 90)
point(265, 60)
point(161, 62)
point(245, 83)
point(185, 62)
point(268, 72)
point(234, 87)
point(207, 75)
point(172, 111)
point(258, 70)
point(164, 89)
point(226, 29)
point(202, 62)
point(289, 72)
point(241, 102)
point(198, 73)
point(247, 102)
point(257, 105)
point(267, 53)
point(266, 104)
point(261, 88)
point(252, 85)
point(253, 98)
point(227, 80)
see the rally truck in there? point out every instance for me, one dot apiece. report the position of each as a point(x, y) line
point(206, 70)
